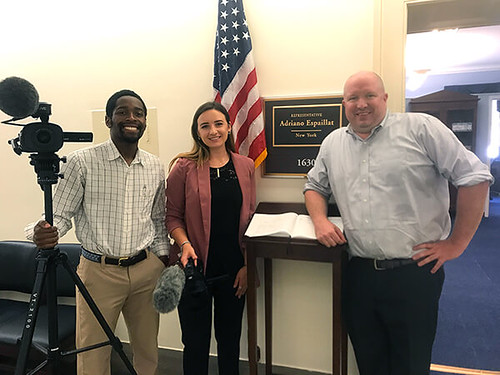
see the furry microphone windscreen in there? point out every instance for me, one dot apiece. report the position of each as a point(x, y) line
point(18, 97)
point(168, 290)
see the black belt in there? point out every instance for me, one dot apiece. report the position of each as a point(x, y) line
point(388, 264)
point(123, 261)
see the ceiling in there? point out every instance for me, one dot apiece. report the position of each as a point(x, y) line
point(454, 50)
point(466, 54)
point(427, 15)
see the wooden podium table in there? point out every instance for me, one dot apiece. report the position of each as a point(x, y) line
point(270, 248)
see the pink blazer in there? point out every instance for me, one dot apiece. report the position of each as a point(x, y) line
point(189, 200)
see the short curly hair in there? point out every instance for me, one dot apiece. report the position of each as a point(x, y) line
point(111, 104)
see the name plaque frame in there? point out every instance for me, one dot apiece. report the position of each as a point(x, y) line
point(295, 128)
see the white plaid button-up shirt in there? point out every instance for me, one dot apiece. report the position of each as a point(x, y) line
point(118, 209)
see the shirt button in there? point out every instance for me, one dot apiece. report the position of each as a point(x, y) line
point(364, 160)
point(364, 200)
point(364, 179)
point(367, 221)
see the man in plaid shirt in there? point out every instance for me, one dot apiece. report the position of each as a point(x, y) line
point(115, 192)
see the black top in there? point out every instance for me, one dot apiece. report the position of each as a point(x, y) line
point(224, 253)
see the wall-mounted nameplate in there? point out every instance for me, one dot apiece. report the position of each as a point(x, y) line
point(295, 128)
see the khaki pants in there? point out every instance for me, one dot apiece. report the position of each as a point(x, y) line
point(118, 289)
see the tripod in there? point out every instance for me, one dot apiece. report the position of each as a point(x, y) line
point(47, 169)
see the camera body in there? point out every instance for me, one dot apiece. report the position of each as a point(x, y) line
point(44, 137)
point(195, 280)
point(40, 137)
point(189, 269)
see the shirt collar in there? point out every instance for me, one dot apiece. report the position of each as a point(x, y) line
point(114, 154)
point(374, 131)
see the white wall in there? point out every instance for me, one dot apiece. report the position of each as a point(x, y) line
point(77, 57)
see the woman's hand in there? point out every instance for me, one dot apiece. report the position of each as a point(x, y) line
point(240, 282)
point(188, 252)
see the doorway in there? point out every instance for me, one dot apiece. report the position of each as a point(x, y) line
point(455, 350)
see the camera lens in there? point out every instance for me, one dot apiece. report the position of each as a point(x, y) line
point(43, 136)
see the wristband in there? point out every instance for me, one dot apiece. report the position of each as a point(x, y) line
point(182, 244)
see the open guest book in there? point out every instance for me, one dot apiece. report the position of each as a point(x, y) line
point(288, 224)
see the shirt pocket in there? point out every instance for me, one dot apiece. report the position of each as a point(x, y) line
point(146, 198)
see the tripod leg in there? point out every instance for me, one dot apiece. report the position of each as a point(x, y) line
point(54, 352)
point(29, 327)
point(113, 339)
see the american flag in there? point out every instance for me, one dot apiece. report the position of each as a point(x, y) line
point(235, 80)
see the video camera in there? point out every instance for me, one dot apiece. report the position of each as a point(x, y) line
point(19, 99)
point(44, 136)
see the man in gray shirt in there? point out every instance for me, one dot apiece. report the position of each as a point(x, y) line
point(389, 175)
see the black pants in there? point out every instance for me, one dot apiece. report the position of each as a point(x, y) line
point(391, 317)
point(196, 325)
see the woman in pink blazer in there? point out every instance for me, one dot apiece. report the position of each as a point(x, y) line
point(210, 201)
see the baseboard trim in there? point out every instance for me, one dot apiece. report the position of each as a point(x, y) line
point(461, 370)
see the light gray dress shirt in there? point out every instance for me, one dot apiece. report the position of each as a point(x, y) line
point(392, 187)
point(118, 209)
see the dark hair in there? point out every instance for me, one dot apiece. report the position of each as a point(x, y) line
point(111, 104)
point(200, 151)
